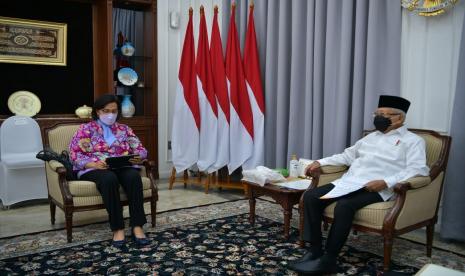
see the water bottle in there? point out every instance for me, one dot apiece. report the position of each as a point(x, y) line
point(294, 166)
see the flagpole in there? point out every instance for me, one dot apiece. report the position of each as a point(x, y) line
point(208, 180)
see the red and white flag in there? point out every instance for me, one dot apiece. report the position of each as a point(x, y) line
point(241, 120)
point(186, 118)
point(255, 91)
point(207, 100)
point(221, 92)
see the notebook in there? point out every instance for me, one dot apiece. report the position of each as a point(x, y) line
point(119, 161)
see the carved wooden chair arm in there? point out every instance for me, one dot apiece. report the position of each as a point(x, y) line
point(150, 170)
point(62, 182)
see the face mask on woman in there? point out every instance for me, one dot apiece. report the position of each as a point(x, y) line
point(108, 118)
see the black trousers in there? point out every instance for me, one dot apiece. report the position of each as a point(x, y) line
point(344, 213)
point(108, 182)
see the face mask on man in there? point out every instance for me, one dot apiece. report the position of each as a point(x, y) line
point(382, 123)
point(108, 118)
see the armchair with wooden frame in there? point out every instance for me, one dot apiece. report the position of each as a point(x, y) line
point(414, 205)
point(76, 196)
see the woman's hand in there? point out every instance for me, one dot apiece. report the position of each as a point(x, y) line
point(99, 165)
point(136, 160)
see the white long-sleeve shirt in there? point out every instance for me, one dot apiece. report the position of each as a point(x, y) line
point(393, 157)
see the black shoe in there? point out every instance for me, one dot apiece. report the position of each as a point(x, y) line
point(118, 244)
point(140, 241)
point(310, 255)
point(323, 265)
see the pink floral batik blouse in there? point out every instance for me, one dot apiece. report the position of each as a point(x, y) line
point(88, 145)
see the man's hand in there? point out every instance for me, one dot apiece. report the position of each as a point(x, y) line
point(99, 165)
point(136, 160)
point(375, 186)
point(312, 167)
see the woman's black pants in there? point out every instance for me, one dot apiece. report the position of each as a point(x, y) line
point(108, 183)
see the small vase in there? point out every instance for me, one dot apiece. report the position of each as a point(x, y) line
point(84, 111)
point(127, 107)
point(127, 49)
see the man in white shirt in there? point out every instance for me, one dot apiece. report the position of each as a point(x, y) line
point(378, 161)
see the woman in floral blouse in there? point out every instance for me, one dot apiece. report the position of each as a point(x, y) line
point(92, 143)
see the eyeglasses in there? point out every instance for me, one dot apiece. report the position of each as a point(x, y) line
point(385, 114)
point(114, 111)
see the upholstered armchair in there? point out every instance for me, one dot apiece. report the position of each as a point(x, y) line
point(77, 196)
point(414, 205)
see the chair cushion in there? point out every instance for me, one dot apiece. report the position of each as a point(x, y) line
point(81, 188)
point(59, 137)
point(433, 148)
point(371, 215)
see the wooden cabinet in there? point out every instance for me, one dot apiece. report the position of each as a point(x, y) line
point(145, 96)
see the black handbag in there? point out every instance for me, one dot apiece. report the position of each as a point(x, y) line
point(48, 154)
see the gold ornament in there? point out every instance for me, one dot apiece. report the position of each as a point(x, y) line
point(428, 7)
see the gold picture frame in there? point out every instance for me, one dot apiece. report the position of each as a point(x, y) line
point(32, 42)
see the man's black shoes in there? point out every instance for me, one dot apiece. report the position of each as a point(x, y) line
point(310, 255)
point(323, 265)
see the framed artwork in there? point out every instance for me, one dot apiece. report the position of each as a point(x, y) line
point(32, 42)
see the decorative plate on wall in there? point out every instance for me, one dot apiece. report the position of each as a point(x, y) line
point(127, 76)
point(24, 103)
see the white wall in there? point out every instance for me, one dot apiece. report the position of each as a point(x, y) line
point(169, 51)
point(430, 53)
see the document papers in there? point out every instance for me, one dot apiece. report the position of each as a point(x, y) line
point(299, 184)
point(342, 189)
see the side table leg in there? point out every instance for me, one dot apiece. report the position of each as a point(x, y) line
point(287, 219)
point(251, 205)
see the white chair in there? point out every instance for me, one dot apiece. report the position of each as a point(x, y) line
point(22, 175)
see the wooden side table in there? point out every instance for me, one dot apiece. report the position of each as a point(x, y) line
point(284, 196)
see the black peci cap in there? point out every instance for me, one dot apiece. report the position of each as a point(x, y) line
point(393, 102)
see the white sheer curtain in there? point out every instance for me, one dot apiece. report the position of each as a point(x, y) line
point(130, 23)
point(430, 56)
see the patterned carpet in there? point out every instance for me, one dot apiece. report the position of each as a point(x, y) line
point(205, 240)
